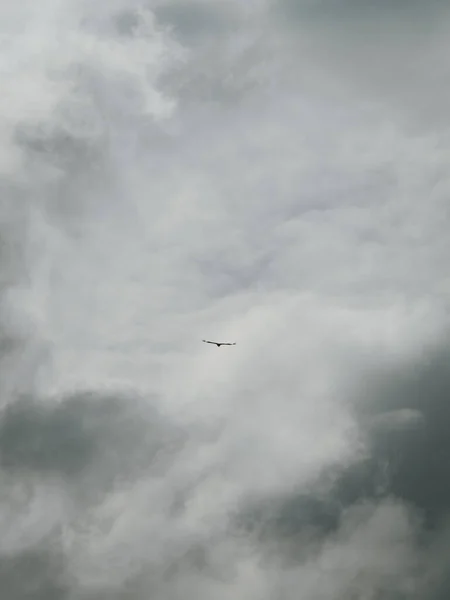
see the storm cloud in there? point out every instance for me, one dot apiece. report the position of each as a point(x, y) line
point(273, 173)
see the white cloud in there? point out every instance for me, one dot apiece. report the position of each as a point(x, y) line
point(209, 181)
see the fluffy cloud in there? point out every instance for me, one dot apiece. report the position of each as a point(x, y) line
point(173, 171)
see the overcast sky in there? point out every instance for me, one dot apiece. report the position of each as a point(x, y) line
point(272, 173)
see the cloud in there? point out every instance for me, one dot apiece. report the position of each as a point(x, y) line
point(193, 19)
point(37, 573)
point(194, 170)
point(399, 60)
point(82, 432)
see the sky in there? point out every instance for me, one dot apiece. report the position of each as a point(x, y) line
point(272, 173)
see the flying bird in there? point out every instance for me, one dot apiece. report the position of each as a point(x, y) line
point(218, 344)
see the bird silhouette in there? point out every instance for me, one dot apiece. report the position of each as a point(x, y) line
point(218, 344)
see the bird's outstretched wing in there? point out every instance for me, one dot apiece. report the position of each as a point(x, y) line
point(220, 343)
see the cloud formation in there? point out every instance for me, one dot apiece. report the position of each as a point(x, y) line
point(270, 173)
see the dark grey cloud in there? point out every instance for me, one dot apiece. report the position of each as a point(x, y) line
point(417, 457)
point(87, 445)
point(36, 573)
point(191, 20)
point(389, 53)
point(409, 446)
point(348, 9)
point(404, 414)
point(225, 51)
point(36, 438)
point(109, 436)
